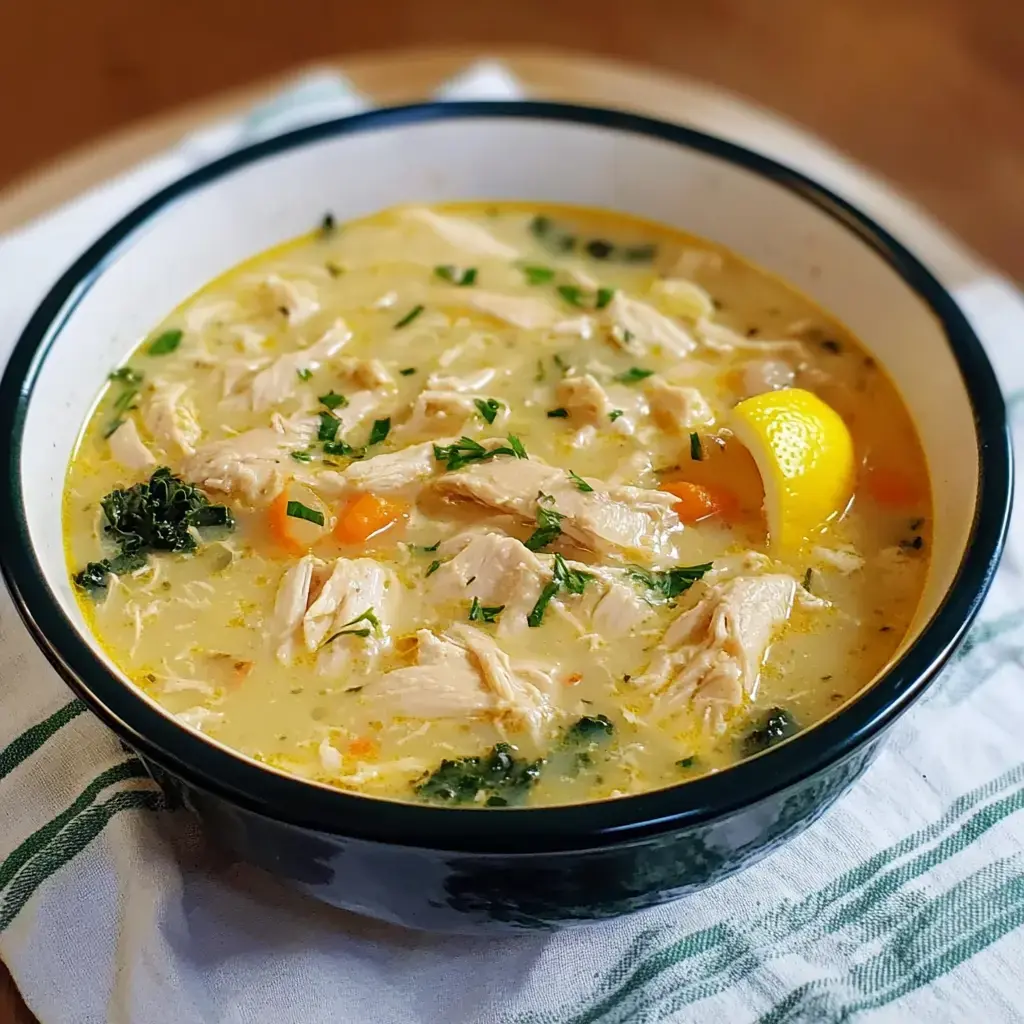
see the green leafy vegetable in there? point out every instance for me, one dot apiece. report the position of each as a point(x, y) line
point(590, 728)
point(341, 448)
point(538, 275)
point(380, 430)
point(410, 316)
point(302, 456)
point(347, 630)
point(639, 253)
point(408, 371)
point(581, 484)
point(599, 249)
point(572, 580)
point(297, 510)
point(327, 224)
point(488, 408)
point(807, 580)
point(614, 414)
point(126, 375)
point(633, 375)
point(670, 583)
point(517, 447)
point(558, 414)
point(130, 380)
point(549, 524)
point(686, 762)
point(545, 230)
point(165, 343)
point(461, 278)
point(158, 515)
point(499, 778)
point(333, 400)
point(604, 296)
point(572, 294)
point(432, 568)
point(482, 613)
point(304, 374)
point(777, 725)
point(425, 548)
point(329, 424)
point(696, 451)
point(464, 451)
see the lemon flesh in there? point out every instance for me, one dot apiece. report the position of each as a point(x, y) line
point(804, 453)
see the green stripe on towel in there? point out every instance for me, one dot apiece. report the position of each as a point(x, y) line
point(33, 738)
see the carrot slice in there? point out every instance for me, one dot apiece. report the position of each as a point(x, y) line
point(367, 515)
point(363, 746)
point(699, 501)
point(893, 488)
point(292, 533)
point(277, 519)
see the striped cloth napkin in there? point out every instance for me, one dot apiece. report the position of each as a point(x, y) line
point(902, 904)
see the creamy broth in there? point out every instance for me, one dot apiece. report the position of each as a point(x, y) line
point(381, 605)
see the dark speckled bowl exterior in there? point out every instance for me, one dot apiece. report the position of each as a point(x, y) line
point(479, 871)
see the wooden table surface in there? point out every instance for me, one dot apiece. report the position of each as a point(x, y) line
point(930, 93)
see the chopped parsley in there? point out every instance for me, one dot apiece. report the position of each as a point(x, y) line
point(482, 613)
point(297, 510)
point(461, 278)
point(545, 230)
point(432, 568)
point(302, 456)
point(580, 298)
point(549, 524)
point(464, 451)
point(425, 548)
point(633, 374)
point(327, 224)
point(643, 253)
point(165, 343)
point(696, 451)
point(126, 375)
point(558, 414)
point(517, 447)
point(540, 374)
point(667, 585)
point(341, 448)
point(332, 400)
point(599, 249)
point(159, 515)
point(538, 275)
point(410, 316)
point(562, 577)
point(328, 429)
point(380, 430)
point(807, 580)
point(362, 631)
point(304, 374)
point(497, 779)
point(777, 725)
point(572, 294)
point(686, 762)
point(614, 414)
point(130, 380)
point(604, 296)
point(590, 728)
point(561, 363)
point(581, 484)
point(488, 408)
point(408, 371)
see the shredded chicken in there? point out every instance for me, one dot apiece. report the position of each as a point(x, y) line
point(382, 473)
point(529, 312)
point(641, 327)
point(126, 446)
point(584, 399)
point(678, 408)
point(290, 608)
point(366, 373)
point(436, 413)
point(843, 559)
point(462, 235)
point(279, 380)
point(470, 382)
point(683, 298)
point(726, 341)
point(297, 300)
point(170, 419)
point(761, 375)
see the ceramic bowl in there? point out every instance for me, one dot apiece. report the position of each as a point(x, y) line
point(464, 870)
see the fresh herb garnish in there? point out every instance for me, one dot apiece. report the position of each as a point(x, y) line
point(633, 374)
point(347, 630)
point(304, 374)
point(334, 269)
point(604, 296)
point(488, 408)
point(408, 371)
point(380, 430)
point(464, 451)
point(410, 316)
point(549, 524)
point(667, 585)
point(589, 728)
point(333, 400)
point(777, 725)
point(643, 253)
point(499, 778)
point(300, 456)
point(328, 429)
point(686, 762)
point(807, 580)
point(572, 294)
point(615, 414)
point(127, 375)
point(482, 613)
point(581, 484)
point(158, 515)
point(327, 223)
point(558, 414)
point(517, 447)
point(297, 510)
point(572, 580)
point(432, 568)
point(599, 249)
point(544, 229)
point(425, 548)
point(130, 379)
point(165, 343)
point(561, 363)
point(696, 451)
point(461, 278)
point(538, 275)
point(341, 448)
point(540, 374)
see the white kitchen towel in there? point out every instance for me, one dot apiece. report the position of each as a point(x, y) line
point(903, 904)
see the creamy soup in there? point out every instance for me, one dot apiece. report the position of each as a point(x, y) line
point(493, 505)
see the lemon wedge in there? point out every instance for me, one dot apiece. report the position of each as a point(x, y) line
point(804, 454)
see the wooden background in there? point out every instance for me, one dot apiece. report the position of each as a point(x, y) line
point(930, 93)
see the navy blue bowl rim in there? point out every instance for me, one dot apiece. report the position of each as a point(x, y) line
point(628, 819)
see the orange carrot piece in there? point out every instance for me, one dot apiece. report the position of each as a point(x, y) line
point(367, 515)
point(698, 501)
point(277, 519)
point(893, 488)
point(364, 746)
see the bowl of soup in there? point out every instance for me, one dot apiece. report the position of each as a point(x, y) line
point(496, 516)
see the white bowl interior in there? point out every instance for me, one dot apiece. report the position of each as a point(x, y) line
point(216, 226)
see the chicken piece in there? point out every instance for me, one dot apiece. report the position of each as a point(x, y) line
point(620, 610)
point(474, 381)
point(279, 380)
point(677, 408)
point(437, 413)
point(625, 519)
point(361, 405)
point(252, 466)
point(585, 399)
point(762, 375)
point(382, 473)
point(725, 341)
point(645, 327)
point(710, 657)
point(495, 569)
point(211, 314)
point(683, 298)
point(366, 373)
point(844, 560)
point(234, 371)
point(465, 237)
point(527, 311)
point(355, 586)
point(297, 300)
point(127, 448)
point(169, 419)
point(289, 609)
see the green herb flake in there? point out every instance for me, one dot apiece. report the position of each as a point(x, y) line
point(517, 447)
point(432, 568)
point(696, 450)
point(807, 580)
point(165, 343)
point(482, 613)
point(538, 275)
point(334, 269)
point(572, 294)
point(643, 253)
point(633, 375)
point(328, 429)
point(581, 484)
point(669, 584)
point(498, 778)
point(379, 431)
point(686, 762)
point(327, 224)
point(408, 371)
point(332, 400)
point(304, 374)
point(126, 375)
point(604, 296)
point(297, 510)
point(461, 278)
point(488, 408)
point(549, 524)
point(589, 729)
point(425, 548)
point(410, 316)
point(562, 577)
point(558, 414)
point(615, 414)
point(302, 456)
point(776, 725)
point(540, 374)
point(342, 448)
